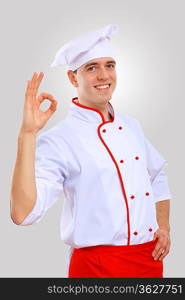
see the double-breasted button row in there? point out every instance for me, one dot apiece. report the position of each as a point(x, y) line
point(132, 196)
point(120, 128)
point(122, 161)
point(136, 233)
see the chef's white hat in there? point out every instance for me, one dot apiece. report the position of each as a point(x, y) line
point(86, 47)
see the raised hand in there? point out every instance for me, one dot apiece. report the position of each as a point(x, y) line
point(33, 118)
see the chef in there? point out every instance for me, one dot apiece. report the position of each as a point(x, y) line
point(115, 216)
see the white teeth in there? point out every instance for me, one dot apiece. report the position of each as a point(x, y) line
point(102, 86)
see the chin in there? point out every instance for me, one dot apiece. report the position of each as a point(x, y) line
point(107, 99)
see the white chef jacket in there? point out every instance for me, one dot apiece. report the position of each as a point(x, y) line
point(109, 174)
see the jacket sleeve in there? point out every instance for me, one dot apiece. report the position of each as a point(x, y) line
point(50, 173)
point(156, 164)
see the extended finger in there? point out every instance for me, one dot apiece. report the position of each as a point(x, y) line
point(28, 94)
point(37, 83)
point(28, 87)
point(29, 84)
point(33, 84)
point(29, 90)
point(33, 80)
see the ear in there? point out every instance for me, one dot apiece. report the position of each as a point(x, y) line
point(72, 77)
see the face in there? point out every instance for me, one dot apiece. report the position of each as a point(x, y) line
point(95, 80)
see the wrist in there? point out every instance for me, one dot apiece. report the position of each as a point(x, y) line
point(165, 227)
point(23, 133)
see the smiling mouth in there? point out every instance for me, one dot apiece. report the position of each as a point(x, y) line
point(103, 87)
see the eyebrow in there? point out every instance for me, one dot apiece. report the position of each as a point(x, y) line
point(107, 62)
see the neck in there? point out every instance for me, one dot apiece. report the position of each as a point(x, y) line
point(103, 108)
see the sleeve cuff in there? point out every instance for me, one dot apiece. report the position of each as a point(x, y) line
point(163, 197)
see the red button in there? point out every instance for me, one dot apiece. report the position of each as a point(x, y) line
point(104, 130)
point(132, 197)
point(137, 157)
point(135, 233)
point(150, 229)
point(121, 161)
point(147, 194)
point(120, 127)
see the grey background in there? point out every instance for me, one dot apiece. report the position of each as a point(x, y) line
point(150, 47)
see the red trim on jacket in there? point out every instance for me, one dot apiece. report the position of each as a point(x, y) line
point(113, 159)
point(91, 108)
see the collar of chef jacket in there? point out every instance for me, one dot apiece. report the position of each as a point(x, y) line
point(88, 113)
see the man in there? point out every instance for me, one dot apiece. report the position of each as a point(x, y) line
point(116, 195)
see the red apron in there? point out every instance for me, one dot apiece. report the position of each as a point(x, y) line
point(115, 261)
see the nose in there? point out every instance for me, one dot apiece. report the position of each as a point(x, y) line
point(102, 74)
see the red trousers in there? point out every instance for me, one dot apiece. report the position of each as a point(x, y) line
point(115, 261)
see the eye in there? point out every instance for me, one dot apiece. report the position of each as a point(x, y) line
point(90, 68)
point(112, 65)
